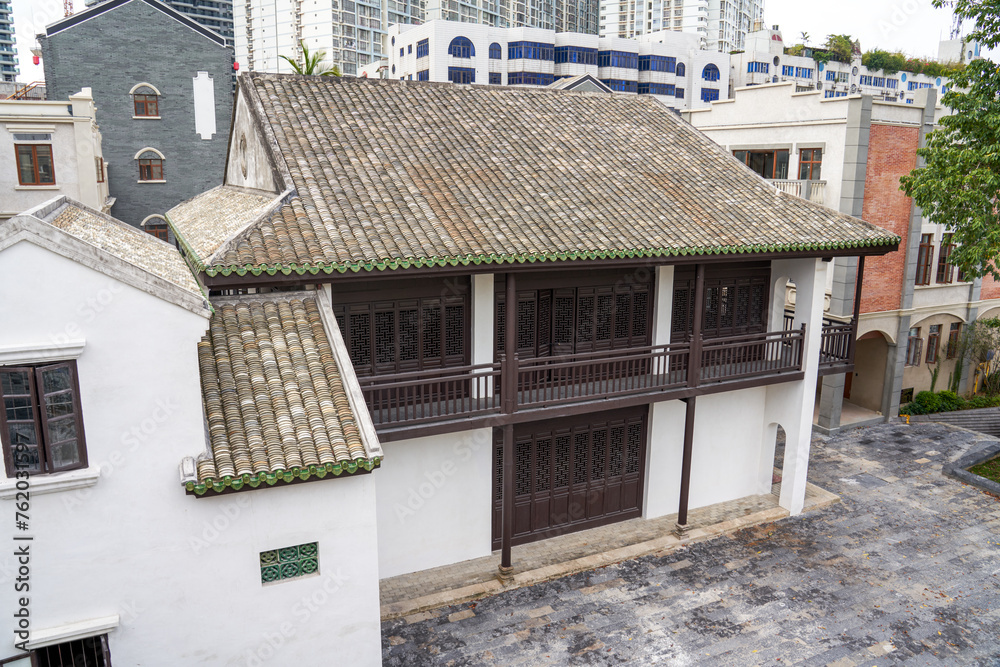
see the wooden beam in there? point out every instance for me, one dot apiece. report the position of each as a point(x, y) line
point(509, 383)
point(682, 509)
point(857, 306)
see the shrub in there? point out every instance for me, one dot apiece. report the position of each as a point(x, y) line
point(926, 403)
point(949, 400)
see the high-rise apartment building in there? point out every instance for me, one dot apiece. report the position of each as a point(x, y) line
point(722, 24)
point(8, 48)
point(349, 31)
point(216, 15)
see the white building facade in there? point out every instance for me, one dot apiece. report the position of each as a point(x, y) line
point(668, 65)
point(51, 148)
point(721, 25)
point(764, 61)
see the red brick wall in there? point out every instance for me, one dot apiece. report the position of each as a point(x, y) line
point(990, 289)
point(891, 154)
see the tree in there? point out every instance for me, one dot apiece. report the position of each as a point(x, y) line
point(312, 63)
point(804, 37)
point(841, 47)
point(959, 184)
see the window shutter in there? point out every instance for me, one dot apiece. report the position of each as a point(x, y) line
point(59, 410)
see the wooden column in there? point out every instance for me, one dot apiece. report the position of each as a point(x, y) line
point(509, 384)
point(694, 378)
point(857, 306)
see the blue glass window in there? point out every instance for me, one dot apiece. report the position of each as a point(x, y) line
point(423, 48)
point(621, 86)
point(656, 89)
point(657, 64)
point(576, 54)
point(709, 94)
point(679, 93)
point(496, 53)
point(529, 78)
point(710, 73)
point(787, 70)
point(618, 59)
point(401, 52)
point(680, 71)
point(756, 67)
point(804, 72)
point(462, 74)
point(409, 48)
point(461, 47)
point(424, 75)
point(495, 78)
point(530, 51)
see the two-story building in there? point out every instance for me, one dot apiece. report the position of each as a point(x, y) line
point(526, 311)
point(51, 148)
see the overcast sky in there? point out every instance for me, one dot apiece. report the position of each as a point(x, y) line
point(911, 26)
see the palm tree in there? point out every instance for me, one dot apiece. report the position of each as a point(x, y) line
point(312, 63)
point(804, 36)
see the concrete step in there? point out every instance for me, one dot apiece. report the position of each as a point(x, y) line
point(983, 420)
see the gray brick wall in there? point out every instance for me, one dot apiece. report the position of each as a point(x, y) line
point(127, 45)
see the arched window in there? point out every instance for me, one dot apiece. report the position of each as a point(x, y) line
point(145, 101)
point(150, 165)
point(710, 73)
point(157, 226)
point(461, 47)
point(680, 69)
point(496, 53)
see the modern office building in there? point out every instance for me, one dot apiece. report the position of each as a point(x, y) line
point(216, 15)
point(666, 64)
point(9, 70)
point(722, 25)
point(163, 86)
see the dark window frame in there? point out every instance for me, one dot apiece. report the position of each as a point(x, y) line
point(146, 105)
point(746, 156)
point(151, 169)
point(933, 342)
point(925, 253)
point(462, 74)
point(36, 172)
point(461, 47)
point(100, 169)
point(954, 337)
point(810, 164)
point(945, 269)
point(38, 407)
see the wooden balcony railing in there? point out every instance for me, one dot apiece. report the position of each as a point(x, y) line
point(431, 395)
point(835, 348)
point(463, 392)
point(612, 373)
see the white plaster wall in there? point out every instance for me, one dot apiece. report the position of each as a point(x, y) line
point(180, 571)
point(434, 501)
point(259, 174)
point(727, 453)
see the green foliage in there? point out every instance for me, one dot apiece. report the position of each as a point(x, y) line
point(795, 50)
point(840, 47)
point(312, 63)
point(988, 469)
point(891, 63)
point(927, 403)
point(959, 183)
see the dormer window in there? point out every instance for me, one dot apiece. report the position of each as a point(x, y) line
point(145, 101)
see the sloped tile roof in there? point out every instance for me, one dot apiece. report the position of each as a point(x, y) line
point(126, 242)
point(205, 222)
point(394, 174)
point(276, 405)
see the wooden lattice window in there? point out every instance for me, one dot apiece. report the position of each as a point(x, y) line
point(736, 302)
point(396, 336)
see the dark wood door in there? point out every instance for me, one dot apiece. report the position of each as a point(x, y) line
point(572, 474)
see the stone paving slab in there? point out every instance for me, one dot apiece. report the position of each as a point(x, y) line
point(906, 572)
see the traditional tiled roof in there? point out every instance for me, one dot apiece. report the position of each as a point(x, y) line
point(392, 174)
point(125, 242)
point(207, 221)
point(276, 405)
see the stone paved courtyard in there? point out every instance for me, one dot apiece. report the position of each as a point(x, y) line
point(904, 571)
